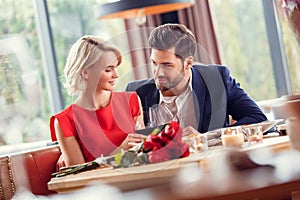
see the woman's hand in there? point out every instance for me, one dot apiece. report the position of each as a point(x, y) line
point(60, 162)
point(131, 140)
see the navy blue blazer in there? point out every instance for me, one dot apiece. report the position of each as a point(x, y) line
point(216, 96)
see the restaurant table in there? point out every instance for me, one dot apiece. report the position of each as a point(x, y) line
point(160, 175)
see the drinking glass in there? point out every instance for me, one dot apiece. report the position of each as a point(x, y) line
point(196, 142)
point(153, 117)
point(160, 115)
point(293, 131)
point(254, 134)
point(232, 137)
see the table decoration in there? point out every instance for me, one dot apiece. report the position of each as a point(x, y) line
point(160, 145)
point(164, 143)
point(101, 162)
point(232, 137)
point(197, 142)
point(254, 134)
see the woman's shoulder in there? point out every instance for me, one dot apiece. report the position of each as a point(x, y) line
point(65, 113)
point(65, 119)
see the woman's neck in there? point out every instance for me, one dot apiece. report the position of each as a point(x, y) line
point(94, 102)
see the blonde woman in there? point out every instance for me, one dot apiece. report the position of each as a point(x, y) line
point(99, 121)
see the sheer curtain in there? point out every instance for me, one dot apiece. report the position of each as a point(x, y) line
point(197, 18)
point(137, 36)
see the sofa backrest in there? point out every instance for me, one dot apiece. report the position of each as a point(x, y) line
point(30, 170)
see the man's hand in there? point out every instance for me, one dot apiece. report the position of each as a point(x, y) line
point(189, 130)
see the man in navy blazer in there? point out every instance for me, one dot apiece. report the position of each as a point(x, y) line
point(205, 95)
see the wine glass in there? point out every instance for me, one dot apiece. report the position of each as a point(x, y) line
point(161, 114)
point(168, 112)
point(153, 116)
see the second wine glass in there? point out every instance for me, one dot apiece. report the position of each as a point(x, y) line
point(161, 114)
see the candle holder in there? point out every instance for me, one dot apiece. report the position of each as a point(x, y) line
point(196, 142)
point(232, 137)
point(254, 134)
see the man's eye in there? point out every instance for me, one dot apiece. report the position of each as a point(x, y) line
point(162, 65)
point(107, 70)
point(153, 65)
point(167, 65)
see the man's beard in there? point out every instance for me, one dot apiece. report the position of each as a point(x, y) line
point(172, 84)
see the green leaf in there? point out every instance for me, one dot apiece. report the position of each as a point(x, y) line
point(142, 158)
point(155, 131)
point(128, 159)
point(118, 158)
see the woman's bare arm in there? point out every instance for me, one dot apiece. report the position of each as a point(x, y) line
point(69, 146)
point(139, 120)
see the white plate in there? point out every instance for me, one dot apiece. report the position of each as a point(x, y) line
point(266, 125)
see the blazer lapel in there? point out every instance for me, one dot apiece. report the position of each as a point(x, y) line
point(151, 98)
point(199, 89)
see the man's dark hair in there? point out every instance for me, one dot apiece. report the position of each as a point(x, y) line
point(173, 35)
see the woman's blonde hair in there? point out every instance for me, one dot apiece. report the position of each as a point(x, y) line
point(84, 53)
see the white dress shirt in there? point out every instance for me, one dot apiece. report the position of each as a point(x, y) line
point(185, 106)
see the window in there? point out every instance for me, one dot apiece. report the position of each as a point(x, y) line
point(71, 19)
point(244, 44)
point(23, 96)
point(24, 99)
point(292, 48)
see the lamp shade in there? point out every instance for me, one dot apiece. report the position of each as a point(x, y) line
point(131, 8)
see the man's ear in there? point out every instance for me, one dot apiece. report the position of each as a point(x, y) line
point(188, 62)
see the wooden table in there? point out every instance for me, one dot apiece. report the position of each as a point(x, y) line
point(123, 178)
point(153, 174)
